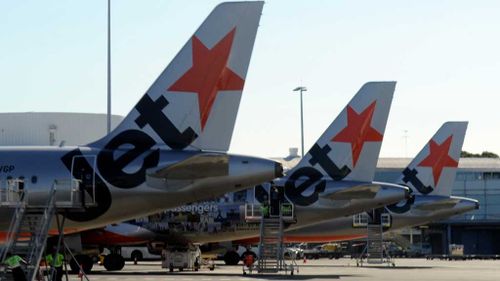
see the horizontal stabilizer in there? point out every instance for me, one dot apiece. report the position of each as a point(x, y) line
point(438, 205)
point(195, 167)
point(356, 192)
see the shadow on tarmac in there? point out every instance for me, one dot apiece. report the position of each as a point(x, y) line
point(234, 275)
point(369, 266)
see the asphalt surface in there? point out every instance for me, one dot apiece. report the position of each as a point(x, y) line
point(323, 269)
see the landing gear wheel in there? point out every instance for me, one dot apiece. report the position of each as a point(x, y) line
point(83, 260)
point(113, 262)
point(231, 258)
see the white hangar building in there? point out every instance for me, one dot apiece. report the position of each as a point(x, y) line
point(53, 128)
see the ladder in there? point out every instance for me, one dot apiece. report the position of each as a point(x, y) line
point(374, 244)
point(30, 224)
point(271, 245)
point(28, 234)
point(271, 249)
point(374, 250)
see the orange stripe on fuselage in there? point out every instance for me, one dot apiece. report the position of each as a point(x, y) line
point(102, 237)
point(4, 234)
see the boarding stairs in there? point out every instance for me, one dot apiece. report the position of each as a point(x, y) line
point(374, 251)
point(374, 244)
point(271, 258)
point(271, 245)
point(32, 219)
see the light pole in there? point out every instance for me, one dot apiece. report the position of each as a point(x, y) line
point(301, 89)
point(108, 122)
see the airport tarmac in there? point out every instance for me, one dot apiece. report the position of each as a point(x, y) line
point(323, 269)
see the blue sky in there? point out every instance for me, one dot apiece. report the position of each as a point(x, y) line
point(445, 56)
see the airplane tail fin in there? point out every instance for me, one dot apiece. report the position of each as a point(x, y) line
point(193, 104)
point(350, 147)
point(434, 168)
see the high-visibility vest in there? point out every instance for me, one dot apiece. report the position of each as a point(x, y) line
point(14, 261)
point(57, 262)
point(265, 210)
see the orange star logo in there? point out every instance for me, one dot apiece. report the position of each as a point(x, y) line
point(438, 158)
point(209, 74)
point(358, 130)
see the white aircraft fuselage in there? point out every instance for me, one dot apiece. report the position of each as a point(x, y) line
point(125, 183)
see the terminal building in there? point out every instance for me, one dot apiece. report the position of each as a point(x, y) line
point(477, 178)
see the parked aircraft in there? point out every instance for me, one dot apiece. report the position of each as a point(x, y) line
point(170, 149)
point(430, 176)
point(334, 179)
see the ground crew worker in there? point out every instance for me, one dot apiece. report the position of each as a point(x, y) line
point(55, 261)
point(248, 258)
point(265, 209)
point(286, 210)
point(14, 263)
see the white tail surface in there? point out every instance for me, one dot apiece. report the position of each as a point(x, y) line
point(194, 102)
point(350, 147)
point(434, 168)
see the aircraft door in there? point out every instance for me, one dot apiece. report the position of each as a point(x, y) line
point(276, 197)
point(380, 216)
point(83, 180)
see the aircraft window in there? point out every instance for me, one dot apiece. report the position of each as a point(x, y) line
point(460, 176)
point(34, 179)
point(492, 175)
point(469, 176)
point(21, 183)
